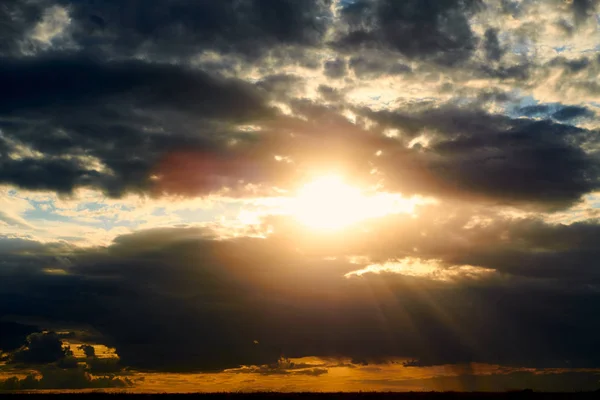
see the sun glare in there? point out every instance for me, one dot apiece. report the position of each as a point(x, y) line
point(328, 203)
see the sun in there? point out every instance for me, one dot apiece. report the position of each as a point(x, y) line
point(328, 203)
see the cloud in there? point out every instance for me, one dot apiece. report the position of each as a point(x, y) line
point(146, 126)
point(16, 19)
point(54, 378)
point(556, 111)
point(41, 348)
point(283, 366)
point(139, 291)
point(335, 68)
point(14, 335)
point(438, 31)
point(88, 134)
point(493, 51)
point(88, 350)
point(472, 152)
point(571, 112)
point(376, 65)
point(583, 9)
point(185, 28)
point(563, 381)
point(488, 107)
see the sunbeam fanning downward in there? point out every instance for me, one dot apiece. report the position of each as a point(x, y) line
point(328, 203)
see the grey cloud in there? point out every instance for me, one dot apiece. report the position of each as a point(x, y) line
point(329, 93)
point(511, 7)
point(517, 72)
point(138, 126)
point(527, 249)
point(335, 69)
point(434, 30)
point(571, 66)
point(493, 50)
point(14, 335)
point(70, 108)
point(184, 28)
point(583, 9)
point(475, 153)
point(41, 348)
point(578, 76)
point(376, 65)
point(229, 294)
point(572, 112)
point(535, 110)
point(63, 81)
point(130, 112)
point(17, 18)
point(557, 111)
point(281, 86)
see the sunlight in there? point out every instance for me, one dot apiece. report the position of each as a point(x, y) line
point(328, 203)
point(431, 269)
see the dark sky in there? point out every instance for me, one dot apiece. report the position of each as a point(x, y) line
point(213, 185)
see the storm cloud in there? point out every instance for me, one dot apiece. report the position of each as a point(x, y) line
point(248, 301)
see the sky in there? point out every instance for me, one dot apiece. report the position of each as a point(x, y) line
point(299, 195)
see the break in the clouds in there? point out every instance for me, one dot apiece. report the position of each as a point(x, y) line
point(156, 161)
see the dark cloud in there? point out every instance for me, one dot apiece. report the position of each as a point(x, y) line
point(149, 125)
point(16, 20)
point(577, 76)
point(194, 303)
point(128, 115)
point(41, 348)
point(103, 366)
point(583, 9)
point(88, 350)
point(66, 81)
point(183, 28)
point(145, 102)
point(329, 93)
point(571, 112)
point(517, 382)
point(535, 110)
point(475, 153)
point(518, 72)
point(556, 111)
point(571, 66)
point(511, 7)
point(434, 30)
point(14, 335)
point(335, 69)
point(56, 378)
point(281, 86)
point(491, 44)
point(135, 126)
point(374, 66)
